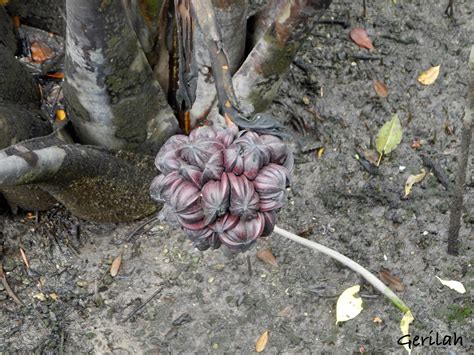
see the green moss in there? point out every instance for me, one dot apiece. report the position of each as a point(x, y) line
point(459, 313)
point(281, 56)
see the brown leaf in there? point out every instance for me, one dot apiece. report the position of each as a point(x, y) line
point(390, 280)
point(380, 88)
point(285, 312)
point(266, 256)
point(261, 342)
point(416, 143)
point(361, 38)
point(40, 53)
point(114, 269)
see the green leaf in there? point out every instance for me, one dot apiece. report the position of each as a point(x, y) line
point(390, 135)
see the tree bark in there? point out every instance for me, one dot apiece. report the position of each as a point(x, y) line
point(113, 99)
point(257, 81)
point(200, 87)
point(94, 183)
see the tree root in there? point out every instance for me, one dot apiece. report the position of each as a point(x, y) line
point(93, 183)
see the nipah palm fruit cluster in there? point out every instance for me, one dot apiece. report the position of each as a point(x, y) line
point(222, 186)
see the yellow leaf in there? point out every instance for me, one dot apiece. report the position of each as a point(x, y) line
point(4, 2)
point(40, 296)
point(454, 285)
point(261, 342)
point(348, 306)
point(320, 152)
point(389, 136)
point(429, 76)
point(114, 269)
point(413, 179)
point(405, 328)
point(60, 115)
point(54, 296)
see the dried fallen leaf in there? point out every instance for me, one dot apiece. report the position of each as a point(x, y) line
point(405, 328)
point(24, 258)
point(348, 306)
point(40, 296)
point(380, 88)
point(361, 38)
point(4, 2)
point(114, 269)
point(416, 143)
point(448, 128)
point(40, 53)
point(267, 256)
point(54, 296)
point(60, 115)
point(413, 179)
point(306, 100)
point(261, 342)
point(429, 76)
point(392, 281)
point(389, 136)
point(56, 75)
point(371, 155)
point(285, 312)
point(320, 152)
point(454, 285)
point(377, 319)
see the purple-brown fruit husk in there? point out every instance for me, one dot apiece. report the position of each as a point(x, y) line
point(244, 234)
point(215, 199)
point(244, 200)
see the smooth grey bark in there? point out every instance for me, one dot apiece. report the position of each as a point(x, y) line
point(113, 99)
point(257, 81)
point(94, 183)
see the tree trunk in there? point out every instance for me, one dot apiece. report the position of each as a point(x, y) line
point(113, 99)
point(118, 110)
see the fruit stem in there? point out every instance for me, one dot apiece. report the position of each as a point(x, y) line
point(366, 274)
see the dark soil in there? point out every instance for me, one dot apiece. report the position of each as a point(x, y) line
point(208, 303)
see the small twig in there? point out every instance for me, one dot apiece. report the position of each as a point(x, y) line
point(136, 310)
point(457, 201)
point(3, 279)
point(249, 265)
point(449, 11)
point(140, 227)
point(366, 274)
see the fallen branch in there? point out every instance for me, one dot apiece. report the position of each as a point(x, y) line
point(366, 274)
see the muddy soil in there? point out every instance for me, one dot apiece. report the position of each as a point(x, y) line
point(170, 298)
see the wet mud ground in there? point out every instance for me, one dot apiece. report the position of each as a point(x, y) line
point(208, 303)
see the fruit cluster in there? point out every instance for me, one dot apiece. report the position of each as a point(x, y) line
point(222, 186)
